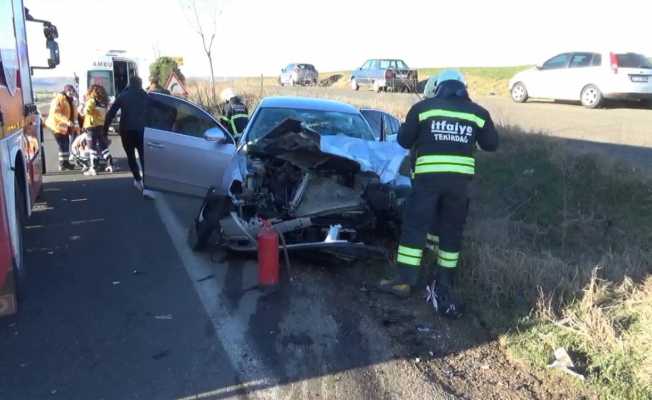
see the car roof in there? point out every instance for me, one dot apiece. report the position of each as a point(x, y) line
point(307, 103)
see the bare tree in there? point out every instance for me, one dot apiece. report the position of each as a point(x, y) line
point(206, 31)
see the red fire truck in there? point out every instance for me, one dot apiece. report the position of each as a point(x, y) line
point(22, 162)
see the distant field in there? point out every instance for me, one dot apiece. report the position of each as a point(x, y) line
point(482, 81)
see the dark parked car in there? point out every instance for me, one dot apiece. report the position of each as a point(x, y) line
point(385, 74)
point(384, 125)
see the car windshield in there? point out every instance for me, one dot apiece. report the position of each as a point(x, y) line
point(306, 66)
point(401, 64)
point(323, 122)
point(633, 60)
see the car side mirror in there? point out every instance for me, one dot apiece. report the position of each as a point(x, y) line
point(538, 66)
point(53, 46)
point(215, 135)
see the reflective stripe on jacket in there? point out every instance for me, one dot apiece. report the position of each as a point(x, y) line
point(443, 132)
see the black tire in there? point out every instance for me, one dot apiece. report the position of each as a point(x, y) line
point(20, 271)
point(354, 84)
point(591, 96)
point(519, 93)
point(197, 241)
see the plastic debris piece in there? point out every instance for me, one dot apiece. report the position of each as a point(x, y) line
point(116, 283)
point(423, 329)
point(563, 362)
point(163, 316)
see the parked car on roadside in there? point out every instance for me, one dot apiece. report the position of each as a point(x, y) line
point(298, 74)
point(384, 125)
point(588, 77)
point(385, 75)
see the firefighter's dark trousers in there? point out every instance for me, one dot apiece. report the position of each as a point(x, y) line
point(434, 215)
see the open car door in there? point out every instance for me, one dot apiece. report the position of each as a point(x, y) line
point(186, 149)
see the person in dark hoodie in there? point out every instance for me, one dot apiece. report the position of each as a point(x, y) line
point(132, 104)
point(443, 132)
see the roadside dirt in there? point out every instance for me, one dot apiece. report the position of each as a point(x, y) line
point(460, 357)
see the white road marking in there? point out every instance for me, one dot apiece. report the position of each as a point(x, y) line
point(231, 328)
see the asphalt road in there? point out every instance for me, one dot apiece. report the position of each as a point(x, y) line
point(118, 307)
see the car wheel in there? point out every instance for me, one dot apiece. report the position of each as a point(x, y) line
point(591, 96)
point(354, 84)
point(519, 93)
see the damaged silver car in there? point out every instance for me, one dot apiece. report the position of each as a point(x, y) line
point(310, 167)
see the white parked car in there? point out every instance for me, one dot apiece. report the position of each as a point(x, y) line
point(586, 77)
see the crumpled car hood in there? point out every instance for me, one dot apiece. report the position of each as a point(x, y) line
point(307, 149)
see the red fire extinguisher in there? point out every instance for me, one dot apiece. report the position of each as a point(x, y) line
point(267, 255)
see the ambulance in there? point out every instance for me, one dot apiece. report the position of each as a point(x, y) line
point(112, 70)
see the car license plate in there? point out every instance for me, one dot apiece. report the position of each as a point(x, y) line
point(639, 78)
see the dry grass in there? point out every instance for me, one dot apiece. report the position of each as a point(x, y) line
point(557, 256)
point(556, 253)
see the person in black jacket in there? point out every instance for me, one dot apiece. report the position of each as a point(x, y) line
point(236, 116)
point(132, 103)
point(443, 132)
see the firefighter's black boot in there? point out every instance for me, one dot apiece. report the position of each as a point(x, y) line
point(441, 296)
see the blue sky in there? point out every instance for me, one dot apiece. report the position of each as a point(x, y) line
point(260, 36)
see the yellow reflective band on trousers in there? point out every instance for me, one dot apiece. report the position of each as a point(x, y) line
point(409, 256)
point(452, 114)
point(445, 164)
point(447, 259)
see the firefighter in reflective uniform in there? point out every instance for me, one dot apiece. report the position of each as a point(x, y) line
point(236, 116)
point(62, 121)
point(443, 132)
